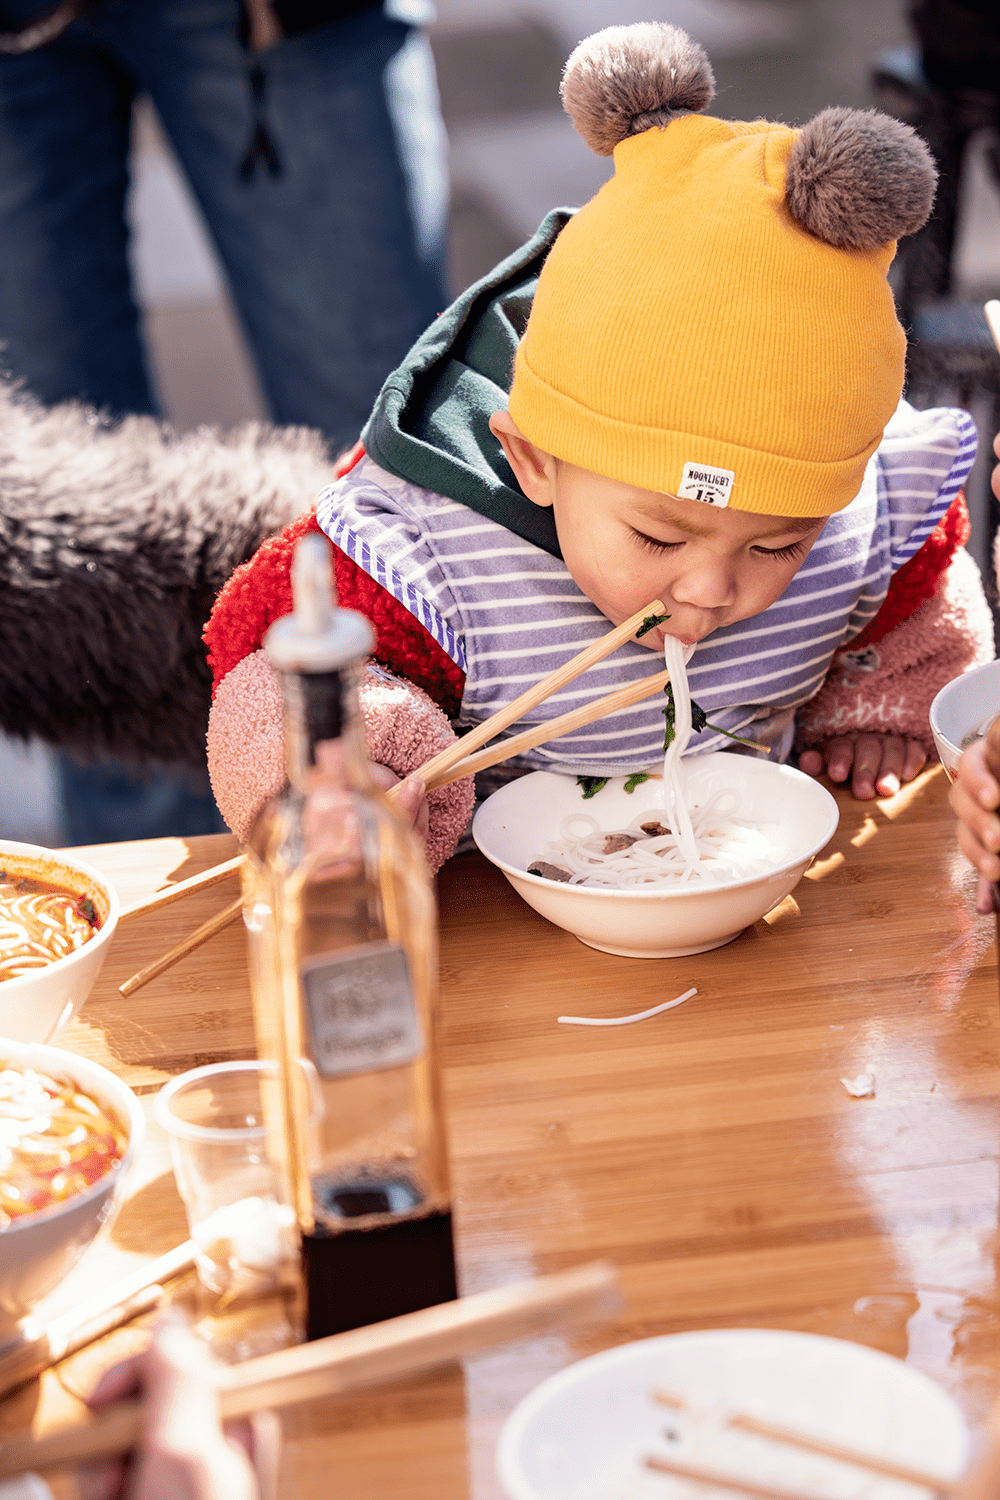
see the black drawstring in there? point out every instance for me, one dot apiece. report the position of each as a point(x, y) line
point(260, 147)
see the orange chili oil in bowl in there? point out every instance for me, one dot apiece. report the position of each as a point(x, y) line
point(57, 918)
point(69, 1131)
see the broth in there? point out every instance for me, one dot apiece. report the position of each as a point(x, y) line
point(55, 1141)
point(40, 922)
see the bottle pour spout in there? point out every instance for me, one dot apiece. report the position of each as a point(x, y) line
point(318, 636)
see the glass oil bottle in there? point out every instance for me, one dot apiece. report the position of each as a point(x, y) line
point(341, 920)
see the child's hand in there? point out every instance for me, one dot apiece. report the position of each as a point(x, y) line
point(876, 763)
point(412, 800)
point(975, 796)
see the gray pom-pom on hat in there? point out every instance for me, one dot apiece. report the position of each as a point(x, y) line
point(627, 79)
point(857, 179)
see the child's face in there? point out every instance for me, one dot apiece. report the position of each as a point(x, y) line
point(626, 546)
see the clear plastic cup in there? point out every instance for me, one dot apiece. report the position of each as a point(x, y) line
point(238, 1204)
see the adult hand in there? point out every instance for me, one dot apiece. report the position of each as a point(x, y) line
point(975, 796)
point(185, 1453)
point(878, 764)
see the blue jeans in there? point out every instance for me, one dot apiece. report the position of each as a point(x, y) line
point(334, 267)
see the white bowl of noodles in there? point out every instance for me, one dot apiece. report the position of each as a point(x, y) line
point(37, 937)
point(787, 816)
point(92, 1136)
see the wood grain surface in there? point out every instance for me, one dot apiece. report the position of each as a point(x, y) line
point(712, 1152)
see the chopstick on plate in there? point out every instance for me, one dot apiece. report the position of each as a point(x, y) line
point(181, 950)
point(719, 1480)
point(41, 1345)
point(346, 1361)
point(434, 772)
point(183, 888)
point(792, 1438)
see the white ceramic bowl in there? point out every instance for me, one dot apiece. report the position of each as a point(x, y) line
point(961, 708)
point(795, 812)
point(36, 1007)
point(582, 1435)
point(37, 1251)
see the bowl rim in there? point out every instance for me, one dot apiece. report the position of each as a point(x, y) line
point(659, 893)
point(933, 713)
point(101, 937)
point(92, 1075)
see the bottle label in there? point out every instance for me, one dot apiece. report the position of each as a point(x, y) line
point(361, 1010)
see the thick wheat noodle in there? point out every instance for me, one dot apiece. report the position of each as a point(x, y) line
point(707, 843)
point(37, 927)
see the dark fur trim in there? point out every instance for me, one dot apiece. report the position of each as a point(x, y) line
point(114, 541)
point(626, 79)
point(857, 179)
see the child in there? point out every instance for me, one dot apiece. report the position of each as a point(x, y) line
point(704, 410)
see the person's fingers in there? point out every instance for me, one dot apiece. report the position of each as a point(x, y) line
point(987, 897)
point(975, 776)
point(383, 777)
point(979, 845)
point(185, 1455)
point(889, 775)
point(811, 762)
point(412, 803)
point(102, 1481)
point(263, 1447)
point(118, 1382)
point(839, 756)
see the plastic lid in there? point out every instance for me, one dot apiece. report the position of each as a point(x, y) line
point(317, 637)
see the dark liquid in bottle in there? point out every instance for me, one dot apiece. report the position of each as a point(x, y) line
point(359, 1276)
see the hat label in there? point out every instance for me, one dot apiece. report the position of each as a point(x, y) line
point(710, 486)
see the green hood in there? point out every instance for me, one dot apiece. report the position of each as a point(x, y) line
point(430, 422)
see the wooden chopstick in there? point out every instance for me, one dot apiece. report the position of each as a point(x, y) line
point(42, 1345)
point(720, 1480)
point(792, 1438)
point(433, 770)
point(183, 888)
point(346, 1361)
point(540, 734)
point(193, 940)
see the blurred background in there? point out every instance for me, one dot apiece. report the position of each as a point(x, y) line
point(513, 155)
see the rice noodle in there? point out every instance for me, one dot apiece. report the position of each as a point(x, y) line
point(707, 843)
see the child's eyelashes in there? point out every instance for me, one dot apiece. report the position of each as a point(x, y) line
point(781, 554)
point(652, 543)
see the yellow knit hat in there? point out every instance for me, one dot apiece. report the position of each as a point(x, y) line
point(716, 323)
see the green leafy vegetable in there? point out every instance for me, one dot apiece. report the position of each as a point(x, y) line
point(636, 779)
point(699, 721)
point(650, 623)
point(592, 785)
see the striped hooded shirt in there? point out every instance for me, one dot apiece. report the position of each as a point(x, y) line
point(508, 613)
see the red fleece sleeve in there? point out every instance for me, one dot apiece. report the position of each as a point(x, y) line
point(917, 580)
point(260, 592)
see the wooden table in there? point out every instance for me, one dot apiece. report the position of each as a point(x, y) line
point(712, 1152)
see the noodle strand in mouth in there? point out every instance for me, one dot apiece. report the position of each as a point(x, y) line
point(673, 845)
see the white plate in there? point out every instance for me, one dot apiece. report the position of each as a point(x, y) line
point(582, 1434)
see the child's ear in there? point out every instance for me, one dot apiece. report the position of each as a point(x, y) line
point(534, 469)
